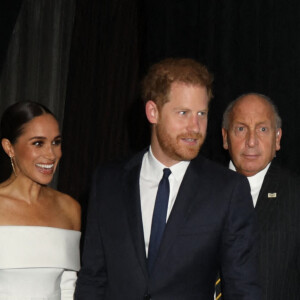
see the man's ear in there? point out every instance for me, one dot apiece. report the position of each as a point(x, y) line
point(278, 138)
point(152, 112)
point(8, 148)
point(225, 141)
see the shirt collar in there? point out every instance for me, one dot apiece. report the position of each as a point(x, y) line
point(156, 167)
point(256, 179)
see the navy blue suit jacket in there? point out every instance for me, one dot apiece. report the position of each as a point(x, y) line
point(211, 227)
point(278, 213)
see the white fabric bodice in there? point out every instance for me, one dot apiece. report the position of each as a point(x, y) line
point(38, 263)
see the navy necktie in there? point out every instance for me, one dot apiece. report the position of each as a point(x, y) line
point(159, 218)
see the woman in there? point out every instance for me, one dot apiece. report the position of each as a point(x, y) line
point(39, 226)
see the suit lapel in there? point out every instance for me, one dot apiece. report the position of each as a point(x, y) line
point(133, 206)
point(268, 196)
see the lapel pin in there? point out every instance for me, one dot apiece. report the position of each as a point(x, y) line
point(272, 195)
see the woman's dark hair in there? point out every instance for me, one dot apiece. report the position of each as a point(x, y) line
point(17, 115)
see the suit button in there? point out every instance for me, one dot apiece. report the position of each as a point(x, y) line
point(147, 297)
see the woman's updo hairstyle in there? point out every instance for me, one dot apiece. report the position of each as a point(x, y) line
point(17, 115)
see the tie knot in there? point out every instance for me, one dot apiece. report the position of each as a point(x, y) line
point(167, 172)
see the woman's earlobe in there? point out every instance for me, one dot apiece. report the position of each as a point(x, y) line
point(7, 147)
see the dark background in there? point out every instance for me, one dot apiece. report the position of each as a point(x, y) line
point(249, 46)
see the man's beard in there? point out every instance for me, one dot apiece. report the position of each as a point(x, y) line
point(175, 148)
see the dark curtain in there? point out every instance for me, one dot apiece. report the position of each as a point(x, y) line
point(250, 46)
point(9, 11)
point(36, 64)
point(102, 113)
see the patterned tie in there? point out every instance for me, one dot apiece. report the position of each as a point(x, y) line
point(218, 288)
point(159, 218)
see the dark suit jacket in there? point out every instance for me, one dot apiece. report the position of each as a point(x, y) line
point(211, 226)
point(279, 222)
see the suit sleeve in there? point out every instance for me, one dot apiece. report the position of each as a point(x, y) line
point(92, 278)
point(239, 264)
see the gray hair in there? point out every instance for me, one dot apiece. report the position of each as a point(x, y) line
point(229, 108)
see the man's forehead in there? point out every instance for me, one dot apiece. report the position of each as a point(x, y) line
point(252, 102)
point(252, 108)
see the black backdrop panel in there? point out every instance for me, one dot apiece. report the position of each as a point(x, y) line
point(250, 46)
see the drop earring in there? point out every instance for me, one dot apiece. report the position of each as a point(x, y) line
point(13, 165)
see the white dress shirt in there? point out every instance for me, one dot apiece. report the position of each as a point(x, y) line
point(150, 176)
point(255, 181)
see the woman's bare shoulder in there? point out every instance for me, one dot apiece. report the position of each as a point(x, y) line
point(69, 206)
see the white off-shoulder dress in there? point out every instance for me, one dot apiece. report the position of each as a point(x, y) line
point(38, 263)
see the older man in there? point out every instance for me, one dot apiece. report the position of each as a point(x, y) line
point(251, 133)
